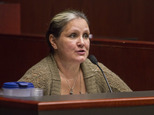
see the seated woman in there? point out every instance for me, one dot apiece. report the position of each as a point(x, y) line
point(67, 70)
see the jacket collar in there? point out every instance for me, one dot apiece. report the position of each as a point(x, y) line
point(88, 68)
point(90, 72)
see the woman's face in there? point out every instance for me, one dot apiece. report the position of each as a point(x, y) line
point(73, 43)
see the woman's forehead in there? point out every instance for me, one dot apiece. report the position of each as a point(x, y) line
point(77, 24)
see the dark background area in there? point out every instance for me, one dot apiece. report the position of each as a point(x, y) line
point(114, 19)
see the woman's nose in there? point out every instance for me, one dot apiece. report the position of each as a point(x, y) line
point(80, 42)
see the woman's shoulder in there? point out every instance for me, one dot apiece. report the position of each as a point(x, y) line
point(42, 68)
point(93, 67)
point(39, 74)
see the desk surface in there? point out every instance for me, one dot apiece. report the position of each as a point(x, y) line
point(55, 102)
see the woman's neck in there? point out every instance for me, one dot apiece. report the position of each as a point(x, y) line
point(68, 69)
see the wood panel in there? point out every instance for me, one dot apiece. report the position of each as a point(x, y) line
point(41, 12)
point(19, 53)
point(120, 19)
point(10, 18)
point(117, 19)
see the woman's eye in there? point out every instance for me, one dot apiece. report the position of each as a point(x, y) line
point(73, 35)
point(86, 35)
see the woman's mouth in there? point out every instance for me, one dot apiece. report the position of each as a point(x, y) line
point(81, 52)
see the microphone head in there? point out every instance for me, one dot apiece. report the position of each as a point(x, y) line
point(93, 59)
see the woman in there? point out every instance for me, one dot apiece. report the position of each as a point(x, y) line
point(67, 70)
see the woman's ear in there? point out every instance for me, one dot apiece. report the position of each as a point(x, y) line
point(52, 41)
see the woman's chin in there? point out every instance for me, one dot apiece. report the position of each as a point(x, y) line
point(81, 60)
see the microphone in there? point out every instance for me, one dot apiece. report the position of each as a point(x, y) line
point(94, 61)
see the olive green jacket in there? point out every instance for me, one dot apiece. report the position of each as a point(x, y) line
point(45, 75)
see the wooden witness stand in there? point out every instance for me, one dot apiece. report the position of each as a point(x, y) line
point(129, 103)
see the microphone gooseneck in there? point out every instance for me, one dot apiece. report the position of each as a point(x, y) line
point(94, 61)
